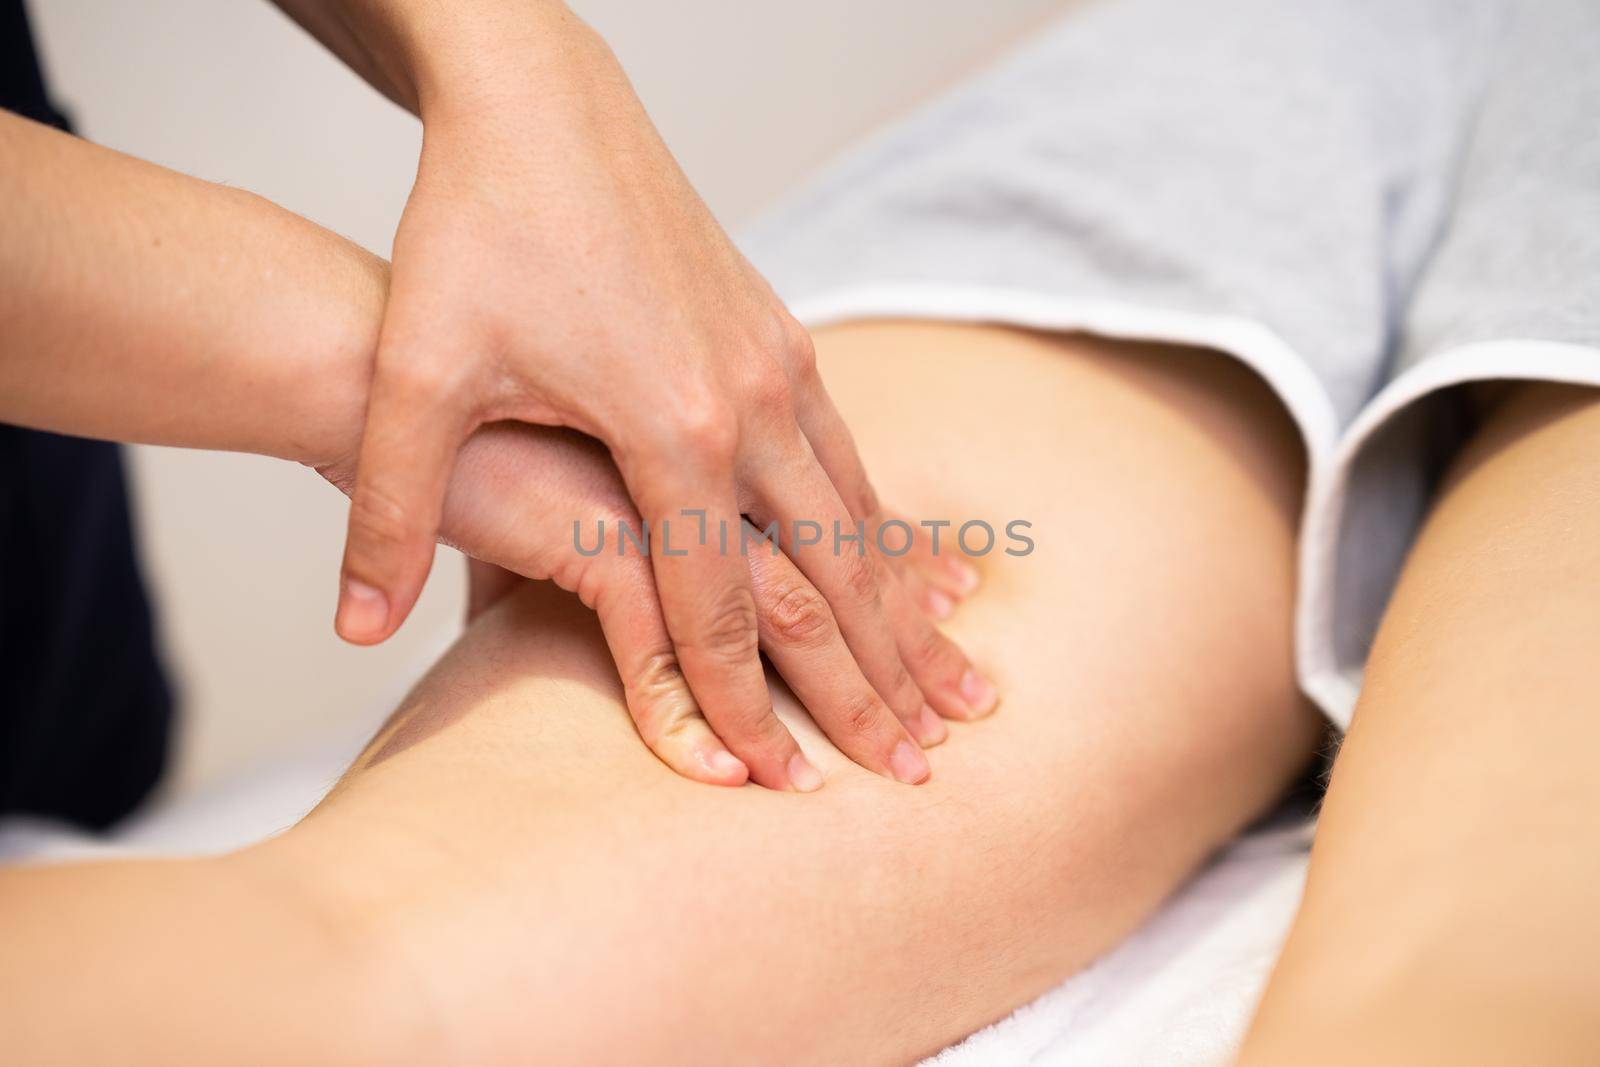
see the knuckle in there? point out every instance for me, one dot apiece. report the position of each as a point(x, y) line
point(659, 675)
point(758, 739)
point(862, 713)
point(707, 430)
point(762, 729)
point(379, 520)
point(799, 617)
point(411, 376)
point(767, 388)
point(861, 578)
point(934, 651)
point(730, 631)
point(661, 697)
point(800, 353)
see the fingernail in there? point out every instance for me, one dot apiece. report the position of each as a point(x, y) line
point(930, 728)
point(978, 692)
point(965, 574)
point(939, 605)
point(363, 611)
point(725, 764)
point(804, 777)
point(908, 763)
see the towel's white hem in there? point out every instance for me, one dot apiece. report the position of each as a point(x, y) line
point(1247, 340)
point(1334, 688)
point(1329, 454)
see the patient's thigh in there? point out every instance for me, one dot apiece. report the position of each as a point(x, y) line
point(611, 909)
point(1449, 914)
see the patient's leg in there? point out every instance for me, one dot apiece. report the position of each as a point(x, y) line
point(562, 892)
point(1450, 914)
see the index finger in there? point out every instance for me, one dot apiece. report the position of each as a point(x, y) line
point(709, 607)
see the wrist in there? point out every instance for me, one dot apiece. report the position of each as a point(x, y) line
point(282, 356)
point(294, 355)
point(505, 71)
point(448, 58)
point(328, 407)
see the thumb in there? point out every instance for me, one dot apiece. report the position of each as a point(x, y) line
point(414, 428)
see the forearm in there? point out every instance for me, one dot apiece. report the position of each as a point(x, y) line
point(189, 961)
point(138, 304)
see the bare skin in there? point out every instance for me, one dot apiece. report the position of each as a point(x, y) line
point(1449, 915)
point(509, 873)
point(145, 306)
point(554, 266)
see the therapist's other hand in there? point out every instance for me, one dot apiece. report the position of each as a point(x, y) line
point(512, 501)
point(553, 266)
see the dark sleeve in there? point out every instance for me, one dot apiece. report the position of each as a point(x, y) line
point(85, 709)
point(21, 73)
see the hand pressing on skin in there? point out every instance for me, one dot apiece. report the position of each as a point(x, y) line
point(143, 305)
point(553, 266)
point(512, 499)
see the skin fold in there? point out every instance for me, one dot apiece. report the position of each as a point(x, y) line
point(509, 873)
point(1449, 914)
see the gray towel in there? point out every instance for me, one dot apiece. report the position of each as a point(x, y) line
point(1367, 201)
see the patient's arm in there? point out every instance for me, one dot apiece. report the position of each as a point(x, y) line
point(526, 881)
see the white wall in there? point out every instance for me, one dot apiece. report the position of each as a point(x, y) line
point(243, 552)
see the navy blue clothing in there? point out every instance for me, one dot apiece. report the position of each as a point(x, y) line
point(85, 708)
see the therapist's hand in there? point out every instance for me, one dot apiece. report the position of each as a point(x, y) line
point(513, 497)
point(554, 266)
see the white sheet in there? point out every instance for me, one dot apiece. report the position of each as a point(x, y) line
point(1180, 992)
